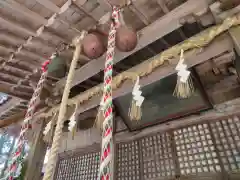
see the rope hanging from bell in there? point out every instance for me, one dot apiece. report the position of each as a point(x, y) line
point(63, 108)
point(105, 172)
point(19, 153)
point(184, 87)
point(135, 110)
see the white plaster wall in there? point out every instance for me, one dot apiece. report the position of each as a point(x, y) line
point(81, 139)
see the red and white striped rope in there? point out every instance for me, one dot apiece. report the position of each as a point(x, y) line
point(19, 152)
point(107, 142)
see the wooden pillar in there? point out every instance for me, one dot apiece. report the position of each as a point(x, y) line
point(36, 155)
point(235, 34)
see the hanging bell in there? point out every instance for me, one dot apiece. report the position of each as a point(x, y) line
point(126, 39)
point(93, 45)
point(57, 67)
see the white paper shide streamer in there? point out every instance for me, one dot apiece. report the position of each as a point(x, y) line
point(135, 112)
point(72, 122)
point(184, 87)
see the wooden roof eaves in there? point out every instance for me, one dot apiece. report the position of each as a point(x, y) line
point(149, 34)
point(32, 34)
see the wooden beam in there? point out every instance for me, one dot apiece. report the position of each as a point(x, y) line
point(7, 90)
point(235, 34)
point(32, 34)
point(24, 10)
point(220, 111)
point(24, 64)
point(8, 77)
point(14, 71)
point(81, 10)
point(13, 119)
point(9, 104)
point(139, 14)
point(17, 26)
point(11, 38)
point(162, 4)
point(219, 46)
point(149, 34)
point(24, 88)
point(32, 55)
point(36, 154)
point(49, 5)
point(105, 5)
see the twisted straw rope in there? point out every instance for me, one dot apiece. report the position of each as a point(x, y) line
point(147, 67)
point(58, 132)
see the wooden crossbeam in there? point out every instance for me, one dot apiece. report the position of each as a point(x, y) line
point(149, 34)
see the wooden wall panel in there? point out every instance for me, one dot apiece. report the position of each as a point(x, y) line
point(202, 151)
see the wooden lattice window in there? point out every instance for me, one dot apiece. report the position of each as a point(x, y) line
point(195, 150)
point(161, 165)
point(79, 165)
point(211, 150)
point(128, 164)
point(227, 137)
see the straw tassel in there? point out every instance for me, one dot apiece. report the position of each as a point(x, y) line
point(100, 117)
point(184, 87)
point(135, 110)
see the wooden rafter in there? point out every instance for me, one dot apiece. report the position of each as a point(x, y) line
point(18, 71)
point(17, 26)
point(32, 34)
point(149, 34)
point(31, 55)
point(81, 10)
point(14, 71)
point(6, 88)
point(139, 14)
point(22, 66)
point(9, 104)
point(24, 10)
point(163, 6)
point(10, 78)
point(49, 5)
point(13, 119)
point(105, 5)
